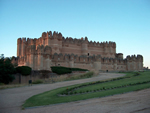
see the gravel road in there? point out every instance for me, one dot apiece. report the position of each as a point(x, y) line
point(134, 102)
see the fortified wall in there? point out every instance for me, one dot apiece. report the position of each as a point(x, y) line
point(52, 49)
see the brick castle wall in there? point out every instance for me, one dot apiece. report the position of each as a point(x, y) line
point(52, 49)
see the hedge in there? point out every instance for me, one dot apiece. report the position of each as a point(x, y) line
point(63, 70)
point(60, 70)
point(24, 70)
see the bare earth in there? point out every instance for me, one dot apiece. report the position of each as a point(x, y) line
point(133, 102)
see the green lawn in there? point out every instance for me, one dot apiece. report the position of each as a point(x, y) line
point(54, 96)
point(132, 80)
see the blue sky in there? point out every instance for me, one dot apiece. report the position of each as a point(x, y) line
point(126, 22)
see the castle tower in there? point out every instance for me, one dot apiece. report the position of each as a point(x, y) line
point(56, 42)
point(115, 64)
point(140, 62)
point(119, 55)
point(19, 47)
point(97, 63)
point(84, 46)
point(112, 49)
point(131, 63)
point(48, 37)
point(32, 56)
point(105, 49)
point(23, 48)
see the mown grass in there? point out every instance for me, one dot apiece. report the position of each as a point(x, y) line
point(51, 97)
point(133, 79)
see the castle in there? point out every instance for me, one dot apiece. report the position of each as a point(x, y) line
point(52, 49)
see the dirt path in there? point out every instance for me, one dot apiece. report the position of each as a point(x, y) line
point(12, 99)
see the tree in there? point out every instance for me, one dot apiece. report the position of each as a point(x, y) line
point(6, 70)
point(2, 56)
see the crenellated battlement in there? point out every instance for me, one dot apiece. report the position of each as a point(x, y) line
point(50, 35)
point(68, 40)
point(102, 44)
point(41, 49)
point(134, 58)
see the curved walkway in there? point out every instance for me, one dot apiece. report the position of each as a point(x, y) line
point(12, 99)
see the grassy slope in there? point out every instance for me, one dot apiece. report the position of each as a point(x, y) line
point(51, 97)
point(134, 79)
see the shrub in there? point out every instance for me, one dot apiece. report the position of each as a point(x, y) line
point(64, 70)
point(80, 92)
point(60, 70)
point(136, 74)
point(78, 69)
point(71, 93)
point(37, 82)
point(24, 70)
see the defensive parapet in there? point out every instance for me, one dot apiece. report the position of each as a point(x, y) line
point(41, 50)
point(70, 40)
point(134, 58)
point(90, 43)
point(102, 44)
point(51, 35)
point(87, 59)
point(45, 38)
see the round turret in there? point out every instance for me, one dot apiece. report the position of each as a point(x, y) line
point(119, 55)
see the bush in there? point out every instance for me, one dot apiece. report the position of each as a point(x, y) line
point(78, 69)
point(80, 92)
point(60, 70)
point(37, 82)
point(24, 70)
point(64, 70)
point(71, 93)
point(136, 74)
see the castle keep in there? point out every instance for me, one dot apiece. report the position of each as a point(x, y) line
point(52, 49)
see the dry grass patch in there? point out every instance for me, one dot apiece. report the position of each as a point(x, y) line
point(3, 86)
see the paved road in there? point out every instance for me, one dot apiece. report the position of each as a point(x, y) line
point(12, 99)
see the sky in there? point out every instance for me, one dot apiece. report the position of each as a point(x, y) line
point(126, 22)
